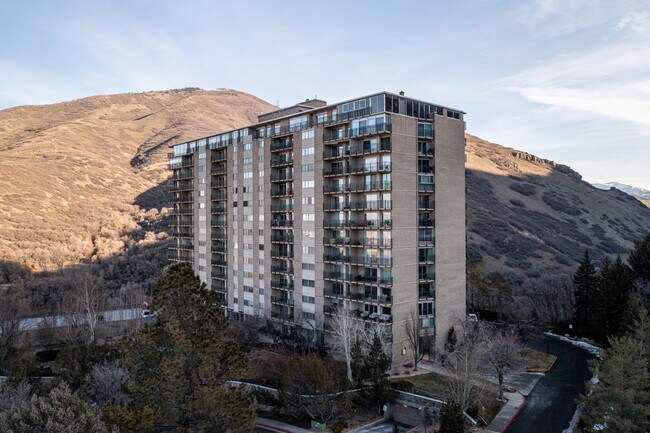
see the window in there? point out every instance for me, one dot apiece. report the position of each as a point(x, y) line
point(308, 299)
point(425, 129)
point(248, 160)
point(202, 167)
point(308, 266)
point(307, 183)
point(309, 316)
point(308, 234)
point(425, 308)
point(201, 155)
point(260, 232)
point(453, 114)
point(308, 217)
point(308, 200)
point(260, 158)
point(261, 173)
point(201, 205)
point(248, 175)
point(308, 250)
point(247, 189)
point(260, 188)
point(248, 303)
point(234, 149)
point(297, 123)
point(235, 301)
point(260, 202)
point(248, 146)
point(201, 193)
point(308, 283)
point(307, 167)
point(260, 144)
point(308, 151)
point(248, 289)
point(307, 134)
point(261, 247)
point(201, 180)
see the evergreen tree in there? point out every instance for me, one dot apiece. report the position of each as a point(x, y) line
point(451, 419)
point(620, 400)
point(616, 283)
point(636, 324)
point(180, 364)
point(377, 365)
point(639, 259)
point(584, 286)
point(61, 411)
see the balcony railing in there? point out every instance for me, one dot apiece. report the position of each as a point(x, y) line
point(280, 145)
point(283, 207)
point(281, 161)
point(372, 261)
point(282, 177)
point(281, 223)
point(280, 192)
point(282, 269)
point(362, 224)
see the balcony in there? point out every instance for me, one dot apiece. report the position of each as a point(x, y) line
point(281, 145)
point(371, 168)
point(184, 234)
point(282, 207)
point(425, 150)
point(281, 192)
point(361, 224)
point(182, 176)
point(219, 196)
point(384, 146)
point(218, 260)
point(219, 222)
point(281, 254)
point(372, 261)
point(281, 238)
point(278, 162)
point(422, 222)
point(183, 221)
point(219, 156)
point(219, 235)
point(282, 269)
point(282, 315)
point(282, 177)
point(219, 208)
point(281, 223)
point(337, 258)
point(182, 186)
point(220, 183)
point(426, 276)
point(335, 171)
point(282, 300)
point(335, 153)
point(184, 199)
point(282, 285)
point(220, 274)
point(219, 170)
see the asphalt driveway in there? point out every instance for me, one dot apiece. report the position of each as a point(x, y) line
point(551, 405)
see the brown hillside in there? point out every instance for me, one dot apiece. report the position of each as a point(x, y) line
point(75, 176)
point(527, 215)
point(84, 179)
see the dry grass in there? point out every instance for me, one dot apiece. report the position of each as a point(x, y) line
point(536, 360)
point(433, 385)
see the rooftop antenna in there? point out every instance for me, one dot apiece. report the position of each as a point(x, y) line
point(277, 103)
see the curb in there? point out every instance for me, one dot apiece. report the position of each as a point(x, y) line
point(523, 403)
point(544, 371)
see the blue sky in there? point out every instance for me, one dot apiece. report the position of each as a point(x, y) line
point(565, 80)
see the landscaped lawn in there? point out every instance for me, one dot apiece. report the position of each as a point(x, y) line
point(433, 385)
point(536, 360)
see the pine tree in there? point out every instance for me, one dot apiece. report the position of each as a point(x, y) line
point(636, 324)
point(451, 419)
point(639, 259)
point(620, 400)
point(377, 365)
point(615, 286)
point(584, 283)
point(180, 364)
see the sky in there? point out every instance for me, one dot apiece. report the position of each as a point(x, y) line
point(565, 80)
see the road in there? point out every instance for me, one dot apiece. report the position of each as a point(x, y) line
point(551, 404)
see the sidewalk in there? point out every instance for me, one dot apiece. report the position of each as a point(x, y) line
point(515, 403)
point(277, 426)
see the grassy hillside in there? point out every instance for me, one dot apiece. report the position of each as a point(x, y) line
point(81, 179)
point(528, 216)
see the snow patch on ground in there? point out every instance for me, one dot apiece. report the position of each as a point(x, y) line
point(594, 350)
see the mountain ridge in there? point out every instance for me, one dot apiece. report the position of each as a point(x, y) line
point(86, 179)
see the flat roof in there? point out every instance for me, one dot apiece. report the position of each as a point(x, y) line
point(311, 110)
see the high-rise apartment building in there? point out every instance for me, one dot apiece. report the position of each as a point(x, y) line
point(357, 205)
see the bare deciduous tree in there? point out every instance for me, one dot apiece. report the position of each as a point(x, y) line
point(12, 312)
point(82, 309)
point(107, 382)
point(465, 367)
point(345, 329)
point(419, 339)
point(503, 351)
point(14, 395)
